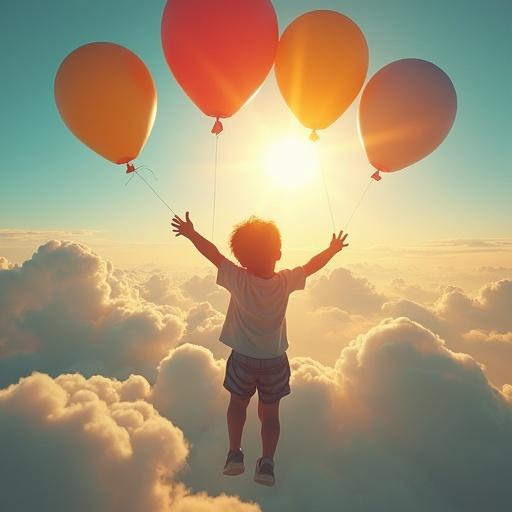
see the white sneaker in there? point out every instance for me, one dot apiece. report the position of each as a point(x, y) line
point(234, 463)
point(264, 473)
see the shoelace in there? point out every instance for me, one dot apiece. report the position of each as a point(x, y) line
point(237, 456)
point(266, 469)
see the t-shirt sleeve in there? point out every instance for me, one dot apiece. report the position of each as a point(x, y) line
point(230, 276)
point(295, 279)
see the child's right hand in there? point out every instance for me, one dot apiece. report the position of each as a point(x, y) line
point(182, 227)
point(337, 242)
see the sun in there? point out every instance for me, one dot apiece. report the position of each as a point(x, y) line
point(291, 162)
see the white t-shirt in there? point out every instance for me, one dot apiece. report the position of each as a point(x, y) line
point(255, 324)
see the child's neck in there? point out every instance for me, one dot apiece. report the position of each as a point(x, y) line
point(263, 273)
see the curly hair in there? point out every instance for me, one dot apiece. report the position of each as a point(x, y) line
point(254, 241)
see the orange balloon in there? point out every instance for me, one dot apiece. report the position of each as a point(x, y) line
point(406, 110)
point(221, 51)
point(107, 98)
point(321, 64)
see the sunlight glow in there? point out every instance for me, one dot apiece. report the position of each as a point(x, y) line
point(291, 162)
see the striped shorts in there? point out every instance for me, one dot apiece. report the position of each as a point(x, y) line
point(271, 377)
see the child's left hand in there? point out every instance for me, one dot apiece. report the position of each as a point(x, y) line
point(337, 242)
point(182, 227)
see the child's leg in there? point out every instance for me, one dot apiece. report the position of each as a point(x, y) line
point(270, 427)
point(237, 412)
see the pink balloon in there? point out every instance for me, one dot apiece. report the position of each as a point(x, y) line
point(406, 110)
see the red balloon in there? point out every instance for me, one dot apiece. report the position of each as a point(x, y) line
point(221, 51)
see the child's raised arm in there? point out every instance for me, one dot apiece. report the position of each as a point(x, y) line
point(321, 259)
point(205, 247)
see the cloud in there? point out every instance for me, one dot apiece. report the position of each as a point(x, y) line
point(189, 388)
point(347, 291)
point(205, 289)
point(65, 310)
point(503, 271)
point(391, 418)
point(31, 235)
point(472, 242)
point(75, 444)
point(489, 309)
point(419, 313)
point(480, 325)
point(160, 289)
point(204, 324)
point(414, 292)
point(451, 246)
point(321, 332)
point(334, 308)
point(492, 349)
point(4, 264)
point(399, 423)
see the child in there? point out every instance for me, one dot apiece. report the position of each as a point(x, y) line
point(255, 328)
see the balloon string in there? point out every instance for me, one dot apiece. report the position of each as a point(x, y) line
point(328, 198)
point(215, 184)
point(154, 191)
point(358, 204)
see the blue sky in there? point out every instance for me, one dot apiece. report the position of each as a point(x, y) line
point(51, 181)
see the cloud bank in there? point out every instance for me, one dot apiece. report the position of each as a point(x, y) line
point(65, 310)
point(398, 418)
point(399, 423)
point(93, 445)
point(480, 325)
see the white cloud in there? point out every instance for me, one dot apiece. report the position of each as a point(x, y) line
point(4, 263)
point(160, 289)
point(480, 326)
point(347, 291)
point(189, 388)
point(93, 445)
point(489, 309)
point(400, 423)
point(37, 235)
point(204, 289)
point(204, 324)
point(396, 419)
point(65, 310)
point(413, 291)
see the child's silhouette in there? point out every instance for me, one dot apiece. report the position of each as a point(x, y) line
point(255, 328)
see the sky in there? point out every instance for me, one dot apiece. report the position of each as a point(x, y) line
point(52, 182)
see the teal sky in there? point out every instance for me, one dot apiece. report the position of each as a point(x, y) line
point(51, 181)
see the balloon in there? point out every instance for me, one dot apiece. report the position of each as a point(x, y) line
point(321, 64)
point(107, 98)
point(221, 51)
point(406, 110)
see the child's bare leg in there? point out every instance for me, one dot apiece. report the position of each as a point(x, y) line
point(237, 412)
point(270, 427)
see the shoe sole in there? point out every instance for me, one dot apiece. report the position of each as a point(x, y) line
point(234, 469)
point(264, 480)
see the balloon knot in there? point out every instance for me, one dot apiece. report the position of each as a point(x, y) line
point(313, 136)
point(217, 127)
point(376, 175)
point(130, 167)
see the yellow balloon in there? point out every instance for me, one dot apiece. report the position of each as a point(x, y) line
point(107, 98)
point(321, 64)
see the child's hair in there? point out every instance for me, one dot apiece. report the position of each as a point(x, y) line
point(255, 241)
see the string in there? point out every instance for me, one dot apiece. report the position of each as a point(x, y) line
point(154, 191)
point(328, 197)
point(314, 137)
point(358, 204)
point(132, 175)
point(215, 184)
